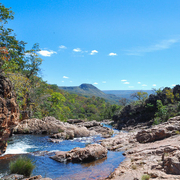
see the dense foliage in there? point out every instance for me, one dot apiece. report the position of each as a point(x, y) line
point(35, 97)
point(156, 108)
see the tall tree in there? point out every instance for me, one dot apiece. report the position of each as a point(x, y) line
point(11, 50)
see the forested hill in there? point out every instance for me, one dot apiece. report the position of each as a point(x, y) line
point(88, 90)
point(126, 93)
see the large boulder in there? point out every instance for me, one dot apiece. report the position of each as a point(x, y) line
point(89, 153)
point(161, 131)
point(50, 125)
point(47, 125)
point(152, 135)
point(171, 162)
point(94, 126)
point(104, 131)
point(9, 111)
point(90, 124)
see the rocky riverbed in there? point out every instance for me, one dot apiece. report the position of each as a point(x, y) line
point(154, 152)
point(51, 144)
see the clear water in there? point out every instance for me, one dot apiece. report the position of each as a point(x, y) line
point(23, 144)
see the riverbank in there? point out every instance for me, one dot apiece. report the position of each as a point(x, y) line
point(154, 152)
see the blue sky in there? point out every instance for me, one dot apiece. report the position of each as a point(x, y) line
point(112, 44)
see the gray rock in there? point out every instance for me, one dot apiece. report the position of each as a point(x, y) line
point(89, 153)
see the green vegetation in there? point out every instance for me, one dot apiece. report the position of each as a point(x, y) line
point(35, 97)
point(161, 113)
point(22, 165)
point(155, 109)
point(134, 167)
point(145, 177)
point(140, 95)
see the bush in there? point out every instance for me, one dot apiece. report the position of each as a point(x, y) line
point(22, 165)
point(145, 177)
point(162, 111)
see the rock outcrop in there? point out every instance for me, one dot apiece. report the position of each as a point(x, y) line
point(52, 126)
point(61, 130)
point(93, 126)
point(154, 152)
point(9, 111)
point(159, 132)
point(89, 153)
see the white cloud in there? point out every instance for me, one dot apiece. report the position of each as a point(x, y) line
point(77, 50)
point(173, 85)
point(70, 81)
point(144, 85)
point(126, 83)
point(62, 47)
point(95, 83)
point(164, 44)
point(123, 80)
point(47, 53)
point(62, 81)
point(93, 52)
point(139, 82)
point(104, 82)
point(65, 77)
point(154, 85)
point(112, 54)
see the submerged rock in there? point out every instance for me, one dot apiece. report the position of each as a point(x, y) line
point(9, 111)
point(89, 153)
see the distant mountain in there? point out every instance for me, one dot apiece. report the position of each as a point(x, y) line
point(112, 96)
point(125, 93)
point(88, 90)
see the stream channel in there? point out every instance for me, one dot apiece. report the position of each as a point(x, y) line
point(25, 145)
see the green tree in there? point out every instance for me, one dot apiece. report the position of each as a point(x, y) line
point(161, 112)
point(57, 108)
point(169, 95)
point(123, 101)
point(32, 62)
point(140, 95)
point(11, 50)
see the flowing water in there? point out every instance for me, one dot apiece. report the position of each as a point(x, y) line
point(25, 145)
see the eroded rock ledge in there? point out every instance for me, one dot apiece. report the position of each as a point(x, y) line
point(9, 111)
point(50, 125)
point(154, 151)
point(59, 130)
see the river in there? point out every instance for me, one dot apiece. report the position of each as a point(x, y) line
point(25, 145)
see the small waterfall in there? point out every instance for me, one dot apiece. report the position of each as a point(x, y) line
point(18, 148)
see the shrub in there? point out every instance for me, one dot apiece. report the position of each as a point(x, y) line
point(145, 177)
point(134, 166)
point(22, 165)
point(162, 112)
